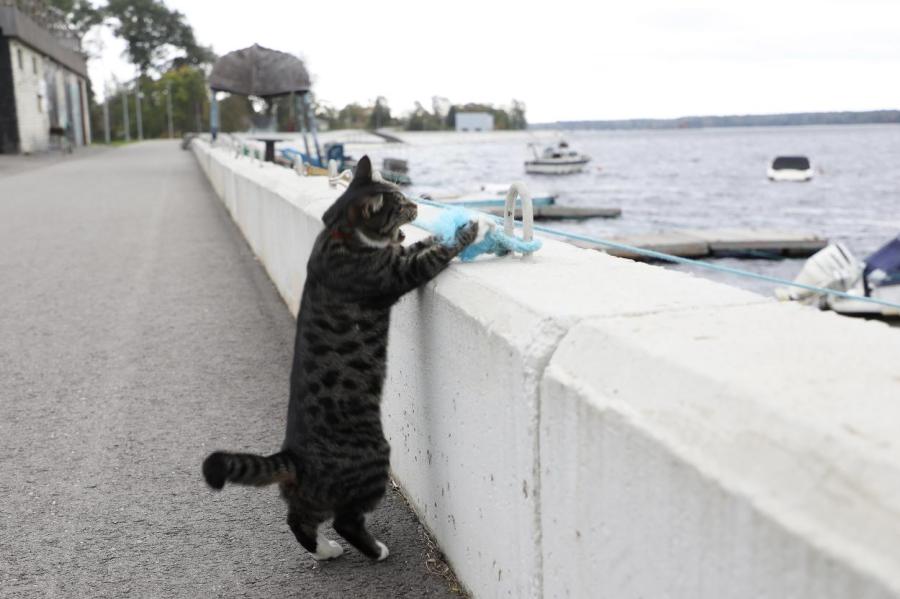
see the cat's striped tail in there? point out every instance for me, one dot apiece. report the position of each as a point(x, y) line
point(248, 469)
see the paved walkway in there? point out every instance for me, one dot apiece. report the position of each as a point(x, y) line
point(137, 333)
point(15, 164)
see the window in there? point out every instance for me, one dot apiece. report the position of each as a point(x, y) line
point(40, 103)
point(34, 64)
point(19, 53)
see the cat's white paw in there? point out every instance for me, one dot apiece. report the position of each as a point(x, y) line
point(327, 549)
point(484, 225)
point(384, 550)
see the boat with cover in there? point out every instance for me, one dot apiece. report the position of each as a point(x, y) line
point(556, 160)
point(790, 168)
point(835, 267)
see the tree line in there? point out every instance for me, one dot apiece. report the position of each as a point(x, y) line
point(167, 57)
point(442, 115)
point(171, 65)
point(750, 120)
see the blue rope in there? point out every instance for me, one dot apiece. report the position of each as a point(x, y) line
point(687, 261)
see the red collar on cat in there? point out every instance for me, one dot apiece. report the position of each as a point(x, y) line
point(336, 233)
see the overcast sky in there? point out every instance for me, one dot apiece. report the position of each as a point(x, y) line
point(573, 60)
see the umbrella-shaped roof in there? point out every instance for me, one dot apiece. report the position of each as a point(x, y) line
point(258, 71)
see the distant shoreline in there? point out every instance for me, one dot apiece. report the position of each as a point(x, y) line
point(748, 120)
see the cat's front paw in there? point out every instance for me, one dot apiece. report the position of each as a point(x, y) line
point(467, 233)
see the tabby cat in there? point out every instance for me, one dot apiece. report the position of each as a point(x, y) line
point(334, 460)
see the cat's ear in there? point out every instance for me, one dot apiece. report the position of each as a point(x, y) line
point(363, 170)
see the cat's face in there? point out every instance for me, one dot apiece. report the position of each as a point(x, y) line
point(372, 206)
point(383, 214)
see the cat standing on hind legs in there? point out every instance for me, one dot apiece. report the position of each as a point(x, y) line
point(334, 460)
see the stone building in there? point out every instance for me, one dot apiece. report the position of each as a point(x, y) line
point(43, 80)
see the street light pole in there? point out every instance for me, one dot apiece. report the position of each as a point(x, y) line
point(106, 116)
point(169, 108)
point(126, 124)
point(137, 108)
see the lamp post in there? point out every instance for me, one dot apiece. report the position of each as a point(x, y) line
point(169, 108)
point(106, 114)
point(125, 123)
point(137, 109)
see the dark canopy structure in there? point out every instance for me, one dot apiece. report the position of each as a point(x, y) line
point(261, 72)
point(265, 73)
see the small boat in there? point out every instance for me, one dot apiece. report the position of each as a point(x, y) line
point(790, 168)
point(835, 267)
point(556, 160)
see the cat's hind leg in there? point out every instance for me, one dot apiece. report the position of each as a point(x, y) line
point(306, 528)
point(350, 523)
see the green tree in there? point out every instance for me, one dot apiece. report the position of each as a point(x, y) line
point(517, 115)
point(190, 101)
point(234, 113)
point(80, 15)
point(381, 114)
point(153, 33)
point(327, 113)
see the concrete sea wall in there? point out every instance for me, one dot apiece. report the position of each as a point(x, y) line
point(577, 425)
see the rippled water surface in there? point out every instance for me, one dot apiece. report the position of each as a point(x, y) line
point(701, 178)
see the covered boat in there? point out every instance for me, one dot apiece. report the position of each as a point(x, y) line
point(556, 160)
point(790, 168)
point(835, 267)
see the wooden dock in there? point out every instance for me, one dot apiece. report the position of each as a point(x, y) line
point(557, 212)
point(729, 242)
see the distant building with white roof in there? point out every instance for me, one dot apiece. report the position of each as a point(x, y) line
point(474, 121)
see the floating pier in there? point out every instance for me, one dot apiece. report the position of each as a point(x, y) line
point(699, 243)
point(557, 212)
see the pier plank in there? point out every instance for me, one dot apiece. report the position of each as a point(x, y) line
point(732, 241)
point(556, 212)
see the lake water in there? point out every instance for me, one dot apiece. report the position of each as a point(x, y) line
point(698, 178)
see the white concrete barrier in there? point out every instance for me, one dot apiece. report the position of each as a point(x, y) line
point(741, 452)
point(491, 457)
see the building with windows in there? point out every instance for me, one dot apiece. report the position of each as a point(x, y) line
point(43, 80)
point(474, 121)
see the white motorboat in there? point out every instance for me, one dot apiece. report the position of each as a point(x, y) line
point(835, 267)
point(790, 168)
point(556, 160)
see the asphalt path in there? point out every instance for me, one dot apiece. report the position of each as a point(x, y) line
point(137, 334)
